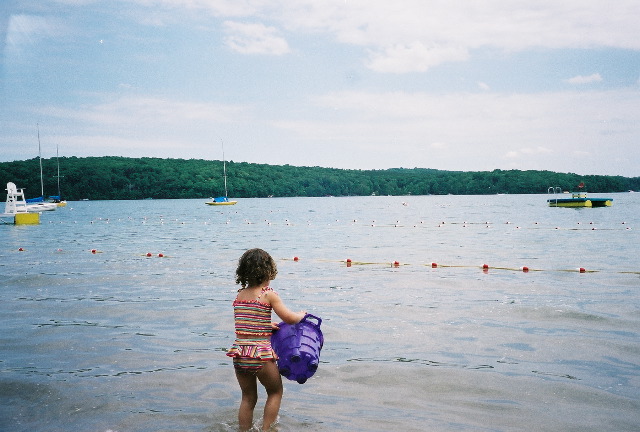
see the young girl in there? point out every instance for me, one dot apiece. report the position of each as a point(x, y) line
point(253, 357)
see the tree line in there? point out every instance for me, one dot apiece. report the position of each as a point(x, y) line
point(121, 178)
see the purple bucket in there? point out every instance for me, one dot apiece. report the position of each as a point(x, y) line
point(298, 348)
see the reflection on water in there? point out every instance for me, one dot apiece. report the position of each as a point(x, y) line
point(116, 315)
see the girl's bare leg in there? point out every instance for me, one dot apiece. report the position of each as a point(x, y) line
point(249, 387)
point(269, 377)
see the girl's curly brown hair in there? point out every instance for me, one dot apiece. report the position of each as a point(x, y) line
point(255, 267)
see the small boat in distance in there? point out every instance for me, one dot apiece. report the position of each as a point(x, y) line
point(577, 199)
point(37, 205)
point(223, 200)
point(55, 199)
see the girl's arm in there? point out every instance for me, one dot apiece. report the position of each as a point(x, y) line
point(285, 314)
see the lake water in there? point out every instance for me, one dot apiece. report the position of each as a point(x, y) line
point(96, 336)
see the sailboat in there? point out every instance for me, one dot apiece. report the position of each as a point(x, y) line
point(57, 199)
point(36, 205)
point(223, 200)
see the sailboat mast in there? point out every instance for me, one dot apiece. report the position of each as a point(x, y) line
point(224, 170)
point(40, 157)
point(58, 162)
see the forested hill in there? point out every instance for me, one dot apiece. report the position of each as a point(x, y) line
point(100, 178)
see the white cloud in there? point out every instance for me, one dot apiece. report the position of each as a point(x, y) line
point(536, 150)
point(432, 33)
point(251, 38)
point(26, 30)
point(413, 57)
point(415, 35)
point(142, 126)
point(532, 128)
point(581, 153)
point(581, 79)
point(438, 146)
point(131, 115)
point(527, 152)
point(220, 8)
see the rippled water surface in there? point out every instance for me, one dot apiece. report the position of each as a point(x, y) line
point(98, 336)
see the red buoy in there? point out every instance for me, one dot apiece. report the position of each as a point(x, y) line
point(20, 249)
point(525, 269)
point(434, 265)
point(160, 255)
point(396, 264)
point(148, 254)
point(582, 270)
point(485, 266)
point(295, 258)
point(94, 251)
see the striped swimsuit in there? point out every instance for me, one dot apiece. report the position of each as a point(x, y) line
point(252, 346)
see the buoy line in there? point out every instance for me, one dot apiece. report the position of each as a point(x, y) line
point(484, 267)
point(394, 264)
point(576, 226)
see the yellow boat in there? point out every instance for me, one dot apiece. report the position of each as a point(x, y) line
point(223, 200)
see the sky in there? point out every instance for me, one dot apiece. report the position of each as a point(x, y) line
point(472, 85)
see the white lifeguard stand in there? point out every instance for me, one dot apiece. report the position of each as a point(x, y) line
point(16, 207)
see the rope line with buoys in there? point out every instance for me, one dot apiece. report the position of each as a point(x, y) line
point(484, 267)
point(419, 223)
point(397, 264)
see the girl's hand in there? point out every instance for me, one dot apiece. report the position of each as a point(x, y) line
point(274, 326)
